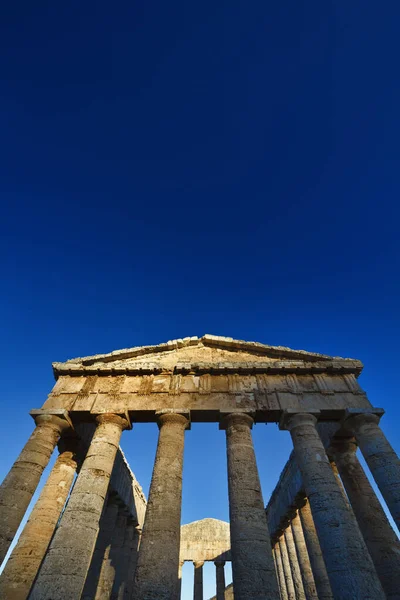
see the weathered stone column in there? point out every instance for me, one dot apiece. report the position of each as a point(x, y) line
point(181, 563)
point(120, 589)
point(294, 564)
point(252, 562)
point(65, 567)
point(158, 561)
point(26, 558)
point(20, 484)
point(111, 560)
point(198, 580)
point(350, 568)
point(305, 567)
point(281, 575)
point(220, 579)
point(137, 534)
point(382, 542)
point(291, 594)
point(315, 553)
point(380, 457)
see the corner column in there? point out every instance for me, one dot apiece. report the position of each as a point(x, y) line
point(310, 589)
point(26, 558)
point(65, 567)
point(20, 484)
point(350, 568)
point(198, 580)
point(220, 579)
point(158, 561)
point(252, 562)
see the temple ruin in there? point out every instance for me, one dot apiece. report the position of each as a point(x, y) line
point(92, 536)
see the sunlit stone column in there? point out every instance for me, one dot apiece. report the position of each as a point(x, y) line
point(305, 567)
point(65, 567)
point(281, 575)
point(252, 562)
point(382, 542)
point(25, 560)
point(220, 579)
point(291, 594)
point(380, 457)
point(20, 484)
point(198, 580)
point(294, 564)
point(350, 569)
point(158, 561)
point(315, 553)
point(181, 563)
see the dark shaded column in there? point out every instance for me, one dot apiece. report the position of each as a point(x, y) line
point(20, 484)
point(252, 562)
point(158, 561)
point(380, 457)
point(121, 583)
point(382, 542)
point(310, 589)
point(66, 565)
point(350, 569)
point(291, 594)
point(294, 564)
point(281, 574)
point(198, 580)
point(220, 579)
point(26, 558)
point(112, 560)
point(315, 553)
point(136, 537)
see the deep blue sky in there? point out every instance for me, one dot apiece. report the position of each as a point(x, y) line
point(175, 168)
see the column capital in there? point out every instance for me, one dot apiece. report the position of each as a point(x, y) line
point(292, 418)
point(219, 563)
point(355, 418)
point(198, 564)
point(176, 417)
point(122, 422)
point(236, 418)
point(56, 418)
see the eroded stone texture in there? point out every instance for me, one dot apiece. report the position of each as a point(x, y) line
point(220, 579)
point(24, 562)
point(198, 581)
point(20, 484)
point(71, 549)
point(207, 539)
point(158, 562)
point(291, 594)
point(111, 559)
point(315, 553)
point(281, 574)
point(304, 561)
point(380, 457)
point(350, 569)
point(294, 564)
point(252, 562)
point(382, 542)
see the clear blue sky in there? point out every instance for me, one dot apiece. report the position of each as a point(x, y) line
point(174, 168)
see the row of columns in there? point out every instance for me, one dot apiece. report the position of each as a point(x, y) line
point(349, 566)
point(219, 577)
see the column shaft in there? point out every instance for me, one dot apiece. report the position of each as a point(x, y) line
point(198, 581)
point(20, 484)
point(252, 562)
point(281, 575)
point(294, 564)
point(291, 594)
point(26, 558)
point(382, 460)
point(315, 553)
point(304, 561)
point(220, 579)
point(382, 542)
point(158, 561)
point(120, 590)
point(65, 567)
point(350, 569)
point(111, 560)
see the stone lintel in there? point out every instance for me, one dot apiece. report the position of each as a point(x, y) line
point(61, 413)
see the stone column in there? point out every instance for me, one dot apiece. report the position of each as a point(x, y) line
point(120, 590)
point(26, 558)
point(65, 567)
point(294, 564)
point(181, 563)
point(20, 484)
point(111, 560)
point(281, 575)
point(315, 553)
point(137, 534)
point(380, 457)
point(158, 561)
point(252, 562)
point(305, 567)
point(220, 579)
point(350, 568)
point(382, 542)
point(291, 594)
point(198, 580)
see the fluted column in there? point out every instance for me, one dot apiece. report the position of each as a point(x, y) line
point(220, 579)
point(198, 580)
point(25, 560)
point(350, 569)
point(65, 567)
point(315, 553)
point(294, 564)
point(20, 484)
point(382, 542)
point(158, 561)
point(380, 457)
point(310, 589)
point(252, 562)
point(281, 575)
point(291, 594)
